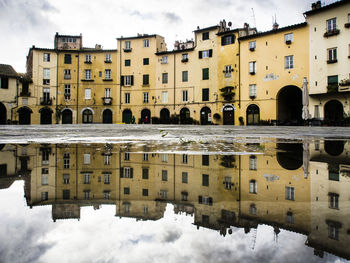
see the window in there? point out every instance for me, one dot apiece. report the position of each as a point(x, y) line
point(205, 35)
point(205, 73)
point(67, 91)
point(67, 59)
point(44, 179)
point(227, 71)
point(184, 177)
point(164, 78)
point(126, 190)
point(127, 62)
point(205, 179)
point(127, 98)
point(46, 76)
point(205, 160)
point(332, 83)
point(127, 45)
point(253, 162)
point(67, 74)
point(106, 178)
point(164, 97)
point(128, 80)
point(227, 40)
point(146, 61)
point(107, 159)
point(46, 94)
point(65, 178)
point(288, 38)
point(145, 192)
point(146, 43)
point(44, 196)
point(88, 58)
point(107, 74)
point(252, 209)
point(184, 196)
point(288, 62)
point(106, 195)
point(332, 55)
point(107, 92)
point(333, 200)
point(108, 58)
point(205, 94)
point(252, 90)
point(206, 53)
point(46, 57)
point(331, 24)
point(184, 76)
point(86, 158)
point(128, 172)
point(86, 178)
point(145, 173)
point(87, 74)
point(252, 45)
point(184, 158)
point(145, 156)
point(184, 57)
point(87, 194)
point(164, 194)
point(145, 210)
point(252, 67)
point(66, 160)
point(184, 96)
point(253, 187)
point(333, 231)
point(164, 59)
point(289, 193)
point(164, 157)
point(145, 97)
point(4, 83)
point(127, 156)
point(145, 80)
point(88, 94)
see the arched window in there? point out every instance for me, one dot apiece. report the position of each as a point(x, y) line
point(87, 116)
point(253, 115)
point(253, 187)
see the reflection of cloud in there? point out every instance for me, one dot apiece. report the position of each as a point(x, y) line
point(172, 17)
point(171, 236)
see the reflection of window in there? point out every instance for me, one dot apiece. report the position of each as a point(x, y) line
point(164, 175)
point(333, 229)
point(206, 200)
point(86, 194)
point(86, 158)
point(205, 160)
point(107, 195)
point(164, 193)
point(184, 158)
point(228, 183)
point(184, 177)
point(205, 179)
point(184, 196)
point(107, 159)
point(145, 156)
point(252, 209)
point(333, 200)
point(253, 162)
point(164, 157)
point(126, 190)
point(66, 179)
point(44, 179)
point(290, 217)
point(126, 208)
point(44, 196)
point(65, 194)
point(126, 156)
point(107, 178)
point(144, 173)
point(253, 187)
point(333, 172)
point(289, 193)
point(145, 192)
point(86, 178)
point(66, 160)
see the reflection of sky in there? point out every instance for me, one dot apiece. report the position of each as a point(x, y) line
point(30, 235)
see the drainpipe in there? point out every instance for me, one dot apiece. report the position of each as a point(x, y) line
point(120, 74)
point(77, 117)
point(174, 79)
point(239, 74)
point(57, 88)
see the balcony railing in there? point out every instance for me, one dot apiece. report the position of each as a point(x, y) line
point(332, 88)
point(332, 61)
point(331, 32)
point(107, 100)
point(127, 49)
point(184, 60)
point(67, 76)
point(45, 101)
point(288, 42)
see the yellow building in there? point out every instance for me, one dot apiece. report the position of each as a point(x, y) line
point(272, 67)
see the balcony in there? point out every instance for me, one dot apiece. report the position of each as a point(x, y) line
point(127, 50)
point(87, 62)
point(347, 25)
point(332, 32)
point(67, 76)
point(45, 101)
point(107, 101)
point(332, 88)
point(108, 61)
point(184, 60)
point(288, 42)
point(107, 79)
point(24, 93)
point(227, 93)
point(252, 49)
point(252, 72)
point(252, 97)
point(332, 61)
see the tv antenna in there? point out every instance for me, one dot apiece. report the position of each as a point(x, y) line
point(254, 20)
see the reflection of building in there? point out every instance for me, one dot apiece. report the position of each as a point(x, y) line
point(8, 169)
point(221, 192)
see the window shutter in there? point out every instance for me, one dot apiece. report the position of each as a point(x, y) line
point(200, 199)
point(121, 80)
point(131, 172)
point(200, 54)
point(232, 39)
point(210, 201)
point(121, 172)
point(210, 53)
point(132, 80)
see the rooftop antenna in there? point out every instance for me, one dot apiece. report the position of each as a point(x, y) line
point(254, 20)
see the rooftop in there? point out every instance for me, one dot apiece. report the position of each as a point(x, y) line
point(7, 71)
point(318, 8)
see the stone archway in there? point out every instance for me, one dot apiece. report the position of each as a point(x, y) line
point(185, 115)
point(165, 116)
point(45, 116)
point(205, 116)
point(333, 113)
point(24, 115)
point(67, 116)
point(228, 115)
point(289, 106)
point(127, 116)
point(146, 116)
point(107, 116)
point(3, 114)
point(253, 115)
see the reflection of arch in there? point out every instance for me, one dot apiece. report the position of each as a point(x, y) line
point(333, 112)
point(87, 116)
point(24, 115)
point(127, 116)
point(290, 156)
point(3, 114)
point(184, 115)
point(205, 116)
point(67, 116)
point(45, 115)
point(146, 116)
point(334, 148)
point(253, 115)
point(2, 146)
point(289, 105)
point(228, 115)
point(164, 116)
point(107, 116)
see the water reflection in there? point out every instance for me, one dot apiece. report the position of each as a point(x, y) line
point(300, 187)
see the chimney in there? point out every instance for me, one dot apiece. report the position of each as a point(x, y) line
point(316, 5)
point(275, 26)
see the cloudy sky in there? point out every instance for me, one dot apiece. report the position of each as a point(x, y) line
point(24, 23)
